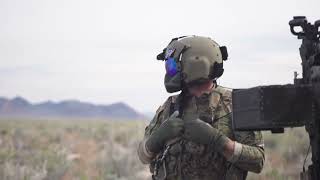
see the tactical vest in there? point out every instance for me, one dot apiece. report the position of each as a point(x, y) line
point(187, 160)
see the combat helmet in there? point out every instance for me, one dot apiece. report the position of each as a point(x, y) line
point(190, 60)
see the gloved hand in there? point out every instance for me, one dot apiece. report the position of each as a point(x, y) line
point(171, 128)
point(201, 132)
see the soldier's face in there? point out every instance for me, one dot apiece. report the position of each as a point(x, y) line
point(198, 90)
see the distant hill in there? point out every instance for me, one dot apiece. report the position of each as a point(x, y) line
point(20, 107)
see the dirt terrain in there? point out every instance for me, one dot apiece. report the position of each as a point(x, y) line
point(106, 150)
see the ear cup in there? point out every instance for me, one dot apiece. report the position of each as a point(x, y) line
point(224, 52)
point(217, 70)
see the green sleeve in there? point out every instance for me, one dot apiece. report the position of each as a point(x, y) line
point(144, 154)
point(252, 156)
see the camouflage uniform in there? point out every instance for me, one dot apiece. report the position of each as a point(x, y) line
point(188, 160)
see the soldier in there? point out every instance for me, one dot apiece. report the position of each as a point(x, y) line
point(191, 136)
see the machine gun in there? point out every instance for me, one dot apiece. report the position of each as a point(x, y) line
point(276, 107)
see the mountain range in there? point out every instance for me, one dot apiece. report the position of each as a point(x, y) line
point(20, 107)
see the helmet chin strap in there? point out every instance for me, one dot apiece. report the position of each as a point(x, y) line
point(215, 83)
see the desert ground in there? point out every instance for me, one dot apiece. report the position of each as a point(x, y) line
point(100, 149)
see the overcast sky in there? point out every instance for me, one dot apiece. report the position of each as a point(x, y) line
point(103, 51)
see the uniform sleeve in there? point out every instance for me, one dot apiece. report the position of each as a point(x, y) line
point(144, 154)
point(249, 146)
point(251, 155)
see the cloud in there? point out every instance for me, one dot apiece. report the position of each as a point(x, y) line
point(104, 51)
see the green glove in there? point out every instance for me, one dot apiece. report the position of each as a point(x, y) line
point(201, 132)
point(171, 128)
